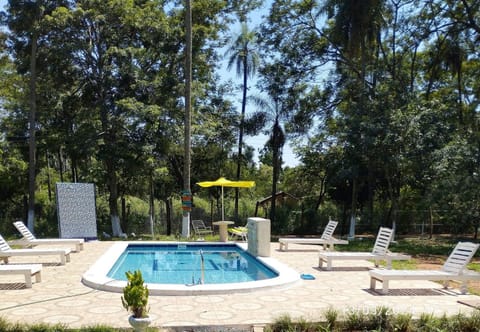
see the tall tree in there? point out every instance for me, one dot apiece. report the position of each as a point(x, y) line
point(355, 30)
point(286, 97)
point(24, 20)
point(243, 55)
point(106, 56)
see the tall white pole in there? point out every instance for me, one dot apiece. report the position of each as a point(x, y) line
point(188, 118)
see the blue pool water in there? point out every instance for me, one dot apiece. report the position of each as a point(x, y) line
point(189, 264)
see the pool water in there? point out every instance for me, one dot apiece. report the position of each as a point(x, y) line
point(190, 264)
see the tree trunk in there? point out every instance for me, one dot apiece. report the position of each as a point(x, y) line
point(321, 194)
point(353, 212)
point(240, 134)
point(151, 212)
point(277, 143)
point(123, 211)
point(60, 164)
point(113, 199)
point(31, 130)
point(168, 212)
point(74, 170)
point(431, 222)
point(49, 178)
point(371, 191)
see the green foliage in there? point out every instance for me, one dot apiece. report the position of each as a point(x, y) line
point(135, 295)
point(136, 213)
point(379, 319)
point(355, 319)
point(331, 316)
point(390, 106)
point(283, 323)
point(401, 322)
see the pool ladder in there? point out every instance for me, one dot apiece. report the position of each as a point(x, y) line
point(202, 268)
point(201, 280)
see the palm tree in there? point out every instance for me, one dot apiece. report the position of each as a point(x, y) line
point(276, 109)
point(243, 55)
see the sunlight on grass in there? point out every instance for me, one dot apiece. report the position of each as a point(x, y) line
point(411, 264)
point(474, 267)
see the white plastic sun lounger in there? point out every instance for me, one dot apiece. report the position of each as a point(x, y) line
point(454, 268)
point(29, 240)
point(28, 270)
point(327, 239)
point(6, 252)
point(380, 252)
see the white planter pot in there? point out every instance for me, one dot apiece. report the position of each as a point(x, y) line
point(139, 324)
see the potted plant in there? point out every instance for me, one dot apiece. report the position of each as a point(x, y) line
point(135, 300)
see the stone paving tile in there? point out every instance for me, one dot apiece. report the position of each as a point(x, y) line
point(62, 298)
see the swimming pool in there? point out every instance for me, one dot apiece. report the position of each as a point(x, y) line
point(190, 264)
point(176, 268)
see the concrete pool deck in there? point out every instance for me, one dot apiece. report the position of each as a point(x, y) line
point(62, 298)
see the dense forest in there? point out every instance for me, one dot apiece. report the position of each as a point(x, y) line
point(378, 98)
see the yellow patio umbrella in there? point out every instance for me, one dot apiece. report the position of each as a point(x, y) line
point(222, 182)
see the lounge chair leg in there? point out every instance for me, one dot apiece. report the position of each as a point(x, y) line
point(329, 264)
point(28, 280)
point(373, 283)
point(385, 287)
point(38, 277)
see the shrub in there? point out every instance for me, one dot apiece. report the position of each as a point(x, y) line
point(135, 295)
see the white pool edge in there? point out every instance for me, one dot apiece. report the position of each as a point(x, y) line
point(96, 276)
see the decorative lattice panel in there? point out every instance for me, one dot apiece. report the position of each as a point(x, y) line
point(76, 210)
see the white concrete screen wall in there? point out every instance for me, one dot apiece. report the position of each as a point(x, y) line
point(76, 210)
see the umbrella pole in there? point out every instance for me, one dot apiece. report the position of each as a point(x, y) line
point(223, 208)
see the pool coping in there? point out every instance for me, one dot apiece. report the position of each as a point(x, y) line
point(96, 276)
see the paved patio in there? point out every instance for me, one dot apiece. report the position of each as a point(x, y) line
point(62, 298)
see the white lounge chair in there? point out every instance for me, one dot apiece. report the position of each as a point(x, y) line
point(454, 268)
point(380, 252)
point(6, 252)
point(200, 228)
point(29, 240)
point(28, 270)
point(327, 239)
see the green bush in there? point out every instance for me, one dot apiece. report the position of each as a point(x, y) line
point(381, 319)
